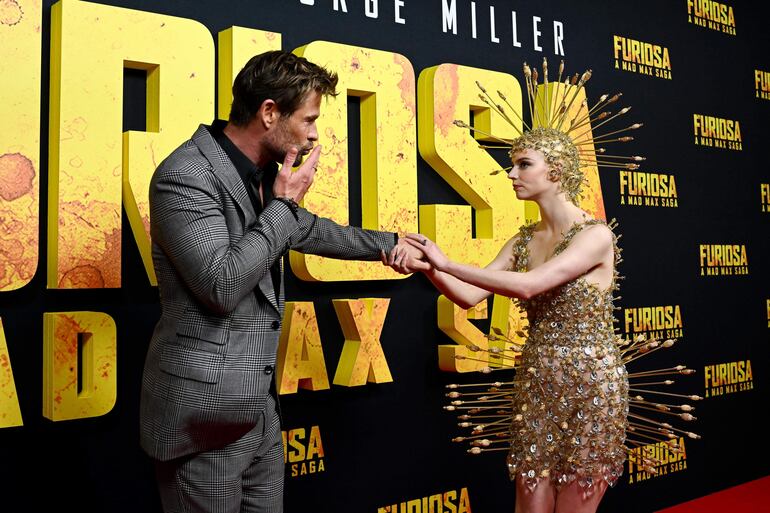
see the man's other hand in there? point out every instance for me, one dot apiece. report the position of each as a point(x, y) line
point(294, 184)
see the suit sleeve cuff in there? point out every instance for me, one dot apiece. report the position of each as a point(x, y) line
point(291, 204)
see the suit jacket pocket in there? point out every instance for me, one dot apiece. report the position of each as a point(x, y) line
point(202, 337)
point(194, 364)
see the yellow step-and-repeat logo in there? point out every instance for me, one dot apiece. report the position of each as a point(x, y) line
point(648, 189)
point(764, 191)
point(723, 260)
point(667, 460)
point(717, 132)
point(762, 84)
point(728, 378)
point(660, 322)
point(640, 57)
point(453, 501)
point(303, 451)
point(712, 15)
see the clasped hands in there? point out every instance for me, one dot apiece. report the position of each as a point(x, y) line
point(413, 253)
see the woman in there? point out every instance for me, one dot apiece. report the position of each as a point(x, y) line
point(570, 400)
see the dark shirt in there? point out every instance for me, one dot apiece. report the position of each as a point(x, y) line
point(252, 177)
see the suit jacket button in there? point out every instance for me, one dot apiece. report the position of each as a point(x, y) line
point(268, 369)
point(275, 325)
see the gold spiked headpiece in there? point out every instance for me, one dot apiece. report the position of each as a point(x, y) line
point(565, 132)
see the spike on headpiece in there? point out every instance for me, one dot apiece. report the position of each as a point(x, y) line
point(562, 125)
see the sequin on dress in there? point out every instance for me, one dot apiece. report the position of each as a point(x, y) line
point(570, 397)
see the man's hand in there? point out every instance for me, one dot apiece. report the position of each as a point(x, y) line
point(294, 184)
point(405, 258)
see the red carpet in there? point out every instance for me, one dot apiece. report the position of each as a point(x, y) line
point(751, 497)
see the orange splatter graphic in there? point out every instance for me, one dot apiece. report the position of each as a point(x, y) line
point(406, 85)
point(14, 265)
point(447, 81)
point(82, 277)
point(66, 354)
point(16, 176)
point(74, 129)
point(99, 267)
point(67, 329)
point(18, 226)
point(10, 12)
point(12, 250)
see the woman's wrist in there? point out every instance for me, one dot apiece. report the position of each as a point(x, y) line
point(447, 267)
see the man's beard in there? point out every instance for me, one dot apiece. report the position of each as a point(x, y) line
point(280, 147)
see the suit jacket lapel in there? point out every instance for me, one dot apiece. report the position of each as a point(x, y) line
point(225, 171)
point(228, 175)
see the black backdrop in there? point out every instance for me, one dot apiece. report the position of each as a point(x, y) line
point(387, 444)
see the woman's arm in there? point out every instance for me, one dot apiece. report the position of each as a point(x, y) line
point(588, 249)
point(467, 295)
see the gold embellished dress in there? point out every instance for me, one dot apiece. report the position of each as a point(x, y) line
point(570, 396)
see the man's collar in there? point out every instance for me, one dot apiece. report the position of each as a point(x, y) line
point(245, 167)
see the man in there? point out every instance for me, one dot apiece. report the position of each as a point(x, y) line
point(222, 216)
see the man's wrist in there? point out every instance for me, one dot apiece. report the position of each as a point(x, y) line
point(289, 202)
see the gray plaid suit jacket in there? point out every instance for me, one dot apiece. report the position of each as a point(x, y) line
point(210, 362)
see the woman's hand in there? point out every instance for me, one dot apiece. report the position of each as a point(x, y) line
point(432, 253)
point(405, 258)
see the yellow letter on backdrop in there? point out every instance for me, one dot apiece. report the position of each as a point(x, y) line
point(384, 81)
point(453, 321)
point(94, 336)
point(236, 46)
point(10, 413)
point(91, 44)
point(300, 354)
point(20, 58)
point(449, 92)
point(362, 358)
